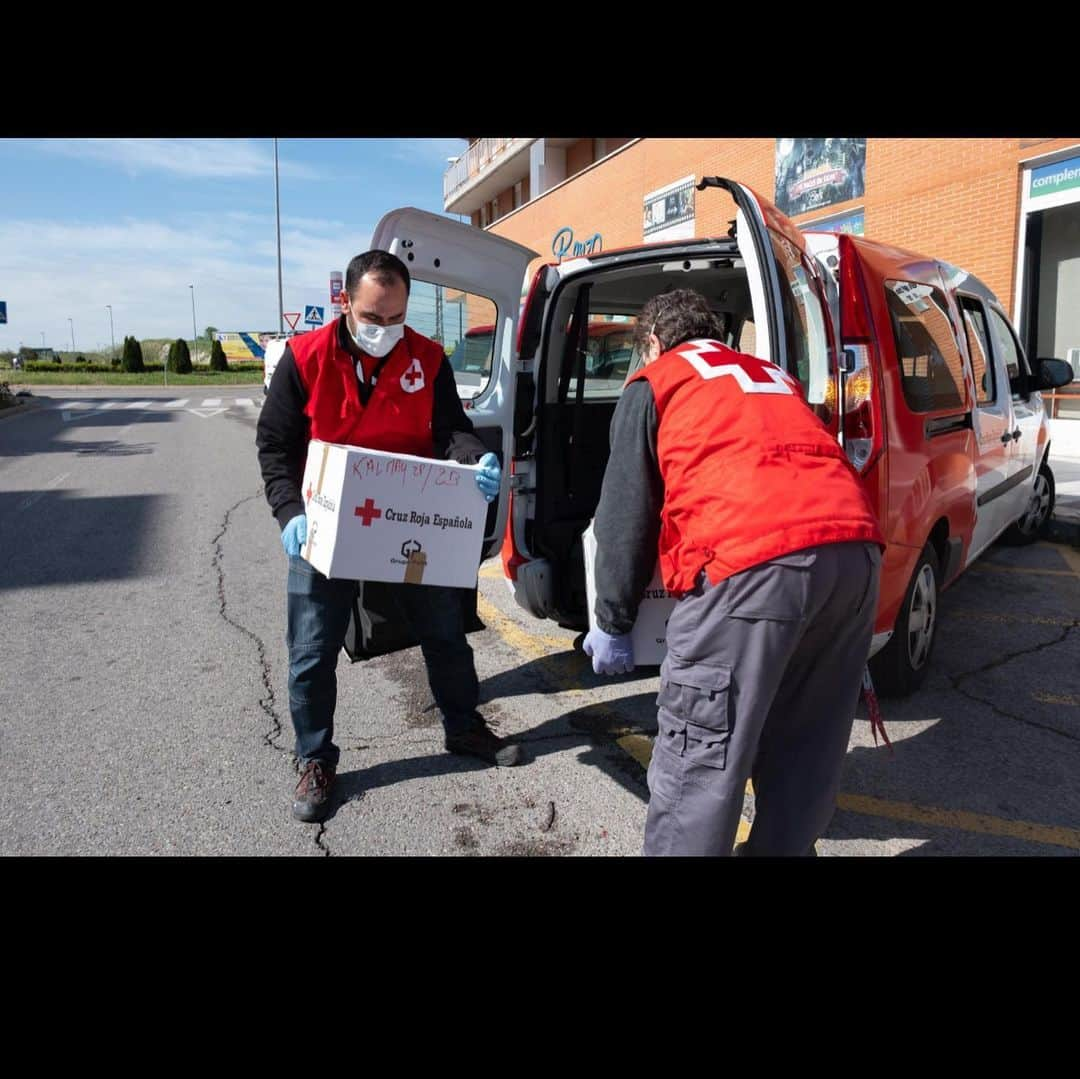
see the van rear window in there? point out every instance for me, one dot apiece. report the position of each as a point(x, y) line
point(931, 367)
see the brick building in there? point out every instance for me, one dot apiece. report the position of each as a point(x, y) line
point(1008, 210)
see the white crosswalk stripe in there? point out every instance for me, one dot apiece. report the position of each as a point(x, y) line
point(99, 405)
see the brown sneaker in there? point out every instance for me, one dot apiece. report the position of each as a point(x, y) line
point(480, 742)
point(312, 799)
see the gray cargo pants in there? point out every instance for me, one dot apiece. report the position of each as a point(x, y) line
point(761, 681)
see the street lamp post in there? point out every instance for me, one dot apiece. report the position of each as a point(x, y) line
point(194, 332)
point(277, 208)
point(112, 332)
point(72, 325)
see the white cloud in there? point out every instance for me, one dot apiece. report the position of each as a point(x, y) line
point(196, 158)
point(428, 151)
point(51, 271)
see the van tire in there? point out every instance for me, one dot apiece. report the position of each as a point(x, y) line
point(894, 670)
point(1035, 522)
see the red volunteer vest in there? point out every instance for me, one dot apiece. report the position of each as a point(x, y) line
point(750, 473)
point(397, 416)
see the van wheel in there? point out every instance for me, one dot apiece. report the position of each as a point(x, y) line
point(900, 667)
point(1035, 522)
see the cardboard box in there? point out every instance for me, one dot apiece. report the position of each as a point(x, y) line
point(375, 516)
point(649, 635)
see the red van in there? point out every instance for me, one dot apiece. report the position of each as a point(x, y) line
point(912, 363)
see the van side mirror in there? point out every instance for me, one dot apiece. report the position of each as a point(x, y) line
point(1054, 373)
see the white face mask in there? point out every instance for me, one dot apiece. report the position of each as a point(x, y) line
point(378, 340)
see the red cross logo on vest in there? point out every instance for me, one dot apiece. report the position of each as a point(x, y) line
point(307, 493)
point(413, 379)
point(368, 512)
point(753, 375)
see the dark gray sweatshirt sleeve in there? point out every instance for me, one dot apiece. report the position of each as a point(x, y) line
point(281, 436)
point(627, 522)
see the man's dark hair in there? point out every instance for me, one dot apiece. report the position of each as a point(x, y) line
point(675, 317)
point(383, 266)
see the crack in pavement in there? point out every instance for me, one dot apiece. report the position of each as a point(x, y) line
point(267, 702)
point(956, 679)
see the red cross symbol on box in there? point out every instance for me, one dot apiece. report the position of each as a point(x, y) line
point(368, 512)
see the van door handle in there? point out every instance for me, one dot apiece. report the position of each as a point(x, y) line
point(1017, 433)
point(1007, 437)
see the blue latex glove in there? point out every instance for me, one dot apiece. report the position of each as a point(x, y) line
point(487, 479)
point(610, 655)
point(294, 535)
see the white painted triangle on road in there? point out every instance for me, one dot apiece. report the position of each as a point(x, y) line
point(205, 413)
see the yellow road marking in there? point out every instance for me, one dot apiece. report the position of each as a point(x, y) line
point(534, 645)
point(992, 567)
point(1070, 556)
point(1050, 698)
point(959, 820)
point(640, 748)
point(994, 616)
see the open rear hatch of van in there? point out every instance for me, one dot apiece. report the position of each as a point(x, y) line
point(770, 295)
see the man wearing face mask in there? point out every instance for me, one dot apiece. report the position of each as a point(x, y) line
point(762, 528)
point(367, 380)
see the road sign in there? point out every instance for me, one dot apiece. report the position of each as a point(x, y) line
point(292, 319)
point(313, 316)
point(3, 310)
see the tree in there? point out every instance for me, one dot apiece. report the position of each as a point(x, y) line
point(132, 358)
point(218, 360)
point(179, 361)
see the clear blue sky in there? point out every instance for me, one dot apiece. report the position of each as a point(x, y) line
point(133, 222)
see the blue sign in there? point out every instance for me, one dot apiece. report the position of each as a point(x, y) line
point(3, 310)
point(564, 244)
point(313, 316)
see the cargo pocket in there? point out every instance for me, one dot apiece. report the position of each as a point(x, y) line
point(693, 720)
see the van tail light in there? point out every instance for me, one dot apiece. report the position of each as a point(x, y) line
point(863, 433)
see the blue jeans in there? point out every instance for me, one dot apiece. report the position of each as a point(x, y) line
point(318, 618)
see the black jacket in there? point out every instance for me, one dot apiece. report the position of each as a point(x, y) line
point(283, 431)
